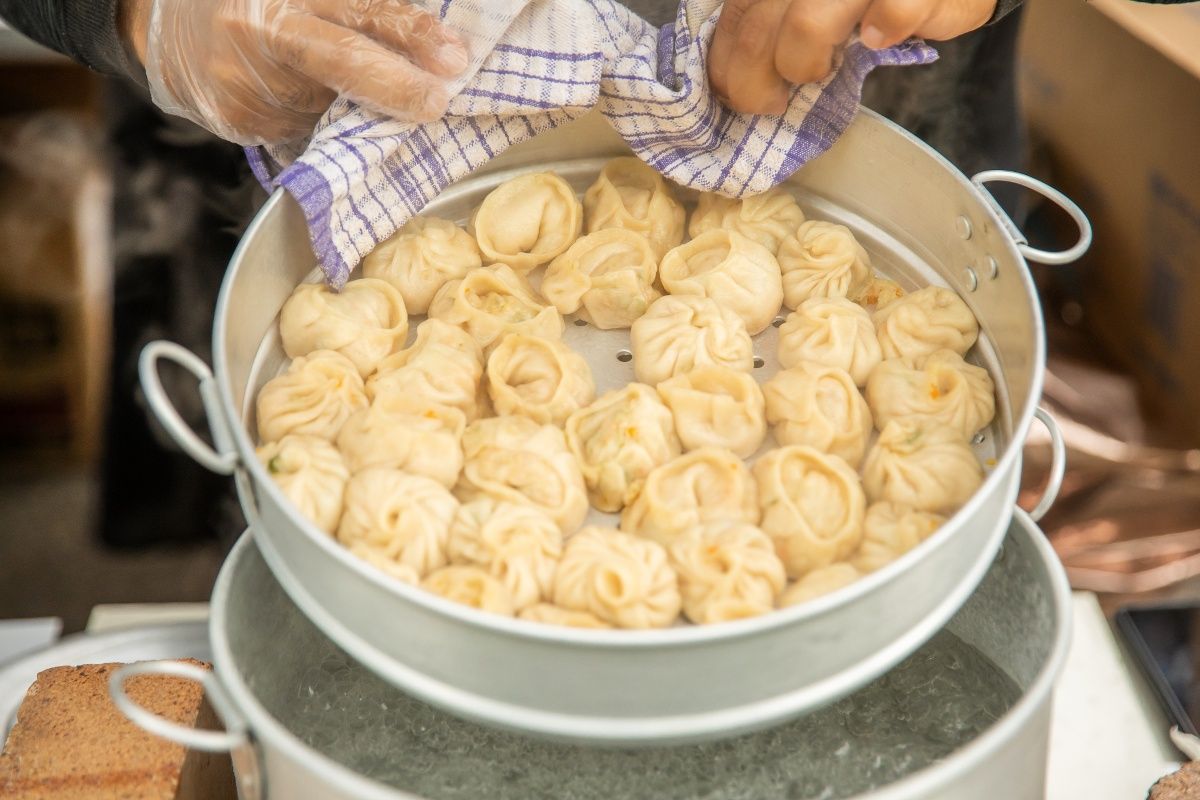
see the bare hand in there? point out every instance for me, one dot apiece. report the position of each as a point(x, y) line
point(762, 48)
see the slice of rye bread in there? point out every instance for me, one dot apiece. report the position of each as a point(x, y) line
point(1181, 785)
point(70, 741)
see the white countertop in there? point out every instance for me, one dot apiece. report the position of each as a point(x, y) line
point(15, 48)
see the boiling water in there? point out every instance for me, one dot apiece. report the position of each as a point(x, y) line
point(937, 700)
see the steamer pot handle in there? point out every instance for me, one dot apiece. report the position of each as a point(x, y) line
point(1058, 465)
point(1073, 253)
point(222, 460)
point(234, 740)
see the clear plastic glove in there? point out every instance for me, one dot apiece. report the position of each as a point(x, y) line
point(263, 71)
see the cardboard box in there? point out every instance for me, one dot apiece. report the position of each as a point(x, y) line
point(1112, 89)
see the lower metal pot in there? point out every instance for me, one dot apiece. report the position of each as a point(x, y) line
point(266, 654)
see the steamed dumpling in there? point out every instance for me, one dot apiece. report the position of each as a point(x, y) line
point(821, 407)
point(421, 257)
point(716, 407)
point(442, 367)
point(527, 221)
point(725, 266)
point(889, 531)
point(379, 560)
point(727, 571)
point(926, 320)
point(366, 321)
point(622, 579)
point(607, 276)
point(812, 507)
point(538, 378)
point(631, 195)
point(825, 580)
point(832, 331)
point(705, 485)
point(315, 397)
point(399, 435)
point(677, 334)
point(472, 587)
point(493, 301)
point(517, 544)
point(821, 259)
point(922, 465)
point(517, 460)
point(405, 518)
point(766, 218)
point(941, 389)
point(550, 614)
point(312, 475)
point(618, 440)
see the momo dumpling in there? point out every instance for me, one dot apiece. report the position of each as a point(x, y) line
point(618, 440)
point(812, 507)
point(493, 301)
point(527, 221)
point(472, 587)
point(400, 435)
point(940, 388)
point(538, 378)
point(825, 580)
point(766, 218)
point(631, 195)
point(366, 321)
point(517, 460)
point(379, 560)
point(889, 531)
point(922, 465)
point(312, 475)
point(821, 259)
point(315, 397)
point(716, 407)
point(405, 518)
point(727, 571)
point(832, 331)
point(678, 334)
point(926, 320)
point(705, 485)
point(607, 276)
point(550, 614)
point(443, 367)
point(623, 580)
point(725, 266)
point(878, 292)
point(517, 544)
point(421, 257)
point(819, 406)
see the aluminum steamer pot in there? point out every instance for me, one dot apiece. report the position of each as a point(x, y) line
point(1019, 618)
point(921, 221)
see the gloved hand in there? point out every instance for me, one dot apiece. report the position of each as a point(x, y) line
point(263, 71)
point(762, 47)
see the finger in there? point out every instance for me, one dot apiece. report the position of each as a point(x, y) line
point(358, 67)
point(810, 33)
point(724, 40)
point(889, 22)
point(955, 18)
point(750, 81)
point(401, 26)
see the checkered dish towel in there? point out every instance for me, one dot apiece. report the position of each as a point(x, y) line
point(538, 64)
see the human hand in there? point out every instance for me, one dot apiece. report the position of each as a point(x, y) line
point(762, 48)
point(263, 71)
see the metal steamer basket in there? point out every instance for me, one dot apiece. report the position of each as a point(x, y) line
point(922, 222)
point(267, 655)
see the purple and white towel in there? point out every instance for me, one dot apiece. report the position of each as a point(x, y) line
point(538, 64)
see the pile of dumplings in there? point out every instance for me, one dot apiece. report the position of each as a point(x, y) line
point(470, 462)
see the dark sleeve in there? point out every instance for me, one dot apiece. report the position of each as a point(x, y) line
point(85, 30)
point(1003, 9)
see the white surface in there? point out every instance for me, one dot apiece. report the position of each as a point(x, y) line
point(1108, 737)
point(116, 617)
point(16, 48)
point(21, 636)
